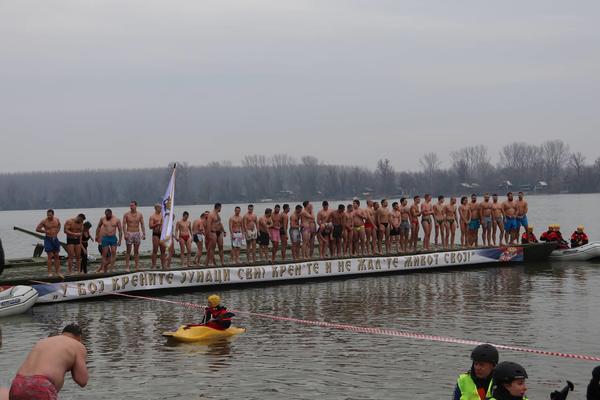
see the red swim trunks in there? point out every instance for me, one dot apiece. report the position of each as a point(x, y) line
point(35, 387)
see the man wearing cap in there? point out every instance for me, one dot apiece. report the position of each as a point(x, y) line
point(578, 238)
point(477, 383)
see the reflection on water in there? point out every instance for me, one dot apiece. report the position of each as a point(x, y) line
point(549, 306)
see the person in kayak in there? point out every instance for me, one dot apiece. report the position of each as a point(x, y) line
point(528, 236)
point(578, 238)
point(509, 382)
point(477, 383)
point(593, 389)
point(216, 316)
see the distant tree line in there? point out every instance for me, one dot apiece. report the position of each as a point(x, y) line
point(549, 167)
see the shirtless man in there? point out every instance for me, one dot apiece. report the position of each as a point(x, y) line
point(522, 209)
point(497, 220)
point(249, 224)
point(50, 226)
point(415, 213)
point(133, 225)
point(439, 216)
point(306, 223)
point(313, 231)
point(426, 213)
point(215, 233)
point(73, 229)
point(106, 235)
point(264, 225)
point(383, 223)
point(295, 234)
point(370, 231)
point(336, 219)
point(283, 231)
point(324, 229)
point(155, 225)
point(465, 216)
point(486, 220)
point(275, 231)
point(348, 231)
point(511, 226)
point(405, 224)
point(395, 218)
point(475, 221)
point(450, 213)
point(198, 236)
point(236, 235)
point(359, 219)
point(42, 374)
point(183, 232)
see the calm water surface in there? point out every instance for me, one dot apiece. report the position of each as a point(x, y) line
point(550, 306)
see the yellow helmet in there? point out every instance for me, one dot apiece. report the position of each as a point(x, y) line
point(551, 226)
point(557, 226)
point(530, 228)
point(214, 300)
point(580, 228)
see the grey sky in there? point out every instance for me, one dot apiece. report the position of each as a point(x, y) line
point(123, 83)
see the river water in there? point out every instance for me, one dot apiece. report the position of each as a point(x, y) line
point(549, 306)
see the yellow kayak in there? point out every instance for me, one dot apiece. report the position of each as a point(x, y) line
point(202, 333)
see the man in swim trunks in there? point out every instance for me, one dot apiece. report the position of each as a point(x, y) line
point(395, 218)
point(42, 374)
point(439, 216)
point(415, 213)
point(133, 225)
point(306, 220)
point(336, 219)
point(295, 234)
point(486, 210)
point(236, 235)
point(198, 236)
point(474, 222)
point(275, 231)
point(73, 229)
point(370, 231)
point(383, 223)
point(106, 234)
point(264, 225)
point(405, 224)
point(215, 233)
point(511, 226)
point(426, 213)
point(249, 224)
point(324, 229)
point(50, 226)
point(497, 220)
point(348, 231)
point(522, 209)
point(183, 232)
point(155, 225)
point(283, 230)
point(359, 219)
point(450, 213)
point(464, 212)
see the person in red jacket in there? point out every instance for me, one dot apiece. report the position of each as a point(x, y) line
point(578, 238)
point(215, 315)
point(528, 236)
point(545, 236)
point(556, 236)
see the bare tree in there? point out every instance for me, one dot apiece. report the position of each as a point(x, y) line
point(555, 154)
point(577, 163)
point(472, 162)
point(386, 176)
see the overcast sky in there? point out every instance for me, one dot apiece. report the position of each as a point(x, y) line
point(123, 83)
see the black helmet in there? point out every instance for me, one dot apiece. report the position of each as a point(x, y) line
point(485, 353)
point(507, 371)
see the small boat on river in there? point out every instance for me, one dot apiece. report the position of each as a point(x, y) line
point(17, 300)
point(586, 252)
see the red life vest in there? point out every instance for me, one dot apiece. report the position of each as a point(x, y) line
point(528, 238)
point(545, 236)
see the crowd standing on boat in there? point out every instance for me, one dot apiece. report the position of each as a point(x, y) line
point(348, 230)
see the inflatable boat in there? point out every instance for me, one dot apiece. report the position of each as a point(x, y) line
point(17, 300)
point(201, 333)
point(582, 253)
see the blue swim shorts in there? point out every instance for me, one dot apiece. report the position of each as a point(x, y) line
point(511, 224)
point(109, 241)
point(51, 245)
point(474, 224)
point(522, 221)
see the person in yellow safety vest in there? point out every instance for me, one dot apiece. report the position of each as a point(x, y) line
point(509, 382)
point(477, 383)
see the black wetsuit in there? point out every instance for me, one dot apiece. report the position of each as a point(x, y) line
point(85, 237)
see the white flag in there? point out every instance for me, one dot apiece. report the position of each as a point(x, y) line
point(168, 206)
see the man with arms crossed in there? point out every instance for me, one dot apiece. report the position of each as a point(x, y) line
point(155, 225)
point(264, 224)
point(135, 231)
point(50, 226)
point(42, 374)
point(236, 234)
point(497, 220)
point(486, 209)
point(511, 226)
point(106, 235)
point(249, 225)
point(370, 231)
point(73, 229)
